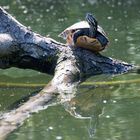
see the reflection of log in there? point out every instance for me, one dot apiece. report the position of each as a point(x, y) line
point(22, 48)
point(10, 121)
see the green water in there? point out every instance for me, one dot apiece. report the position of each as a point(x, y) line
point(114, 110)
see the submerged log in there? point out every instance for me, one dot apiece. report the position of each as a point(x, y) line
point(21, 47)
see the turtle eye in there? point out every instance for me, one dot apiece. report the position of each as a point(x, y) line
point(73, 31)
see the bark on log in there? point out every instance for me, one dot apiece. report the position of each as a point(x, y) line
point(21, 47)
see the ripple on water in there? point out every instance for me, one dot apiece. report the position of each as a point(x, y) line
point(137, 25)
point(129, 38)
point(132, 49)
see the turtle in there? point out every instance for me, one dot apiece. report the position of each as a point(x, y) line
point(86, 34)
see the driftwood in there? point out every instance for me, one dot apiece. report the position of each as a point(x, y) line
point(21, 47)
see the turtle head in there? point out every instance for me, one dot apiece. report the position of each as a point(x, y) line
point(92, 23)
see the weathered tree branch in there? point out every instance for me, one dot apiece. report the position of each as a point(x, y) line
point(22, 48)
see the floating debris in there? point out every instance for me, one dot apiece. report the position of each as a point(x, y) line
point(109, 17)
point(107, 116)
point(59, 137)
point(104, 101)
point(114, 101)
point(51, 128)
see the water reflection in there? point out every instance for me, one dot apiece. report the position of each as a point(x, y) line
point(93, 106)
point(100, 110)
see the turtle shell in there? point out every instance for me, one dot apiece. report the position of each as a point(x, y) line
point(79, 25)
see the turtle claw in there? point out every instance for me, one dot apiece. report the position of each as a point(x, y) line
point(91, 19)
point(92, 22)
